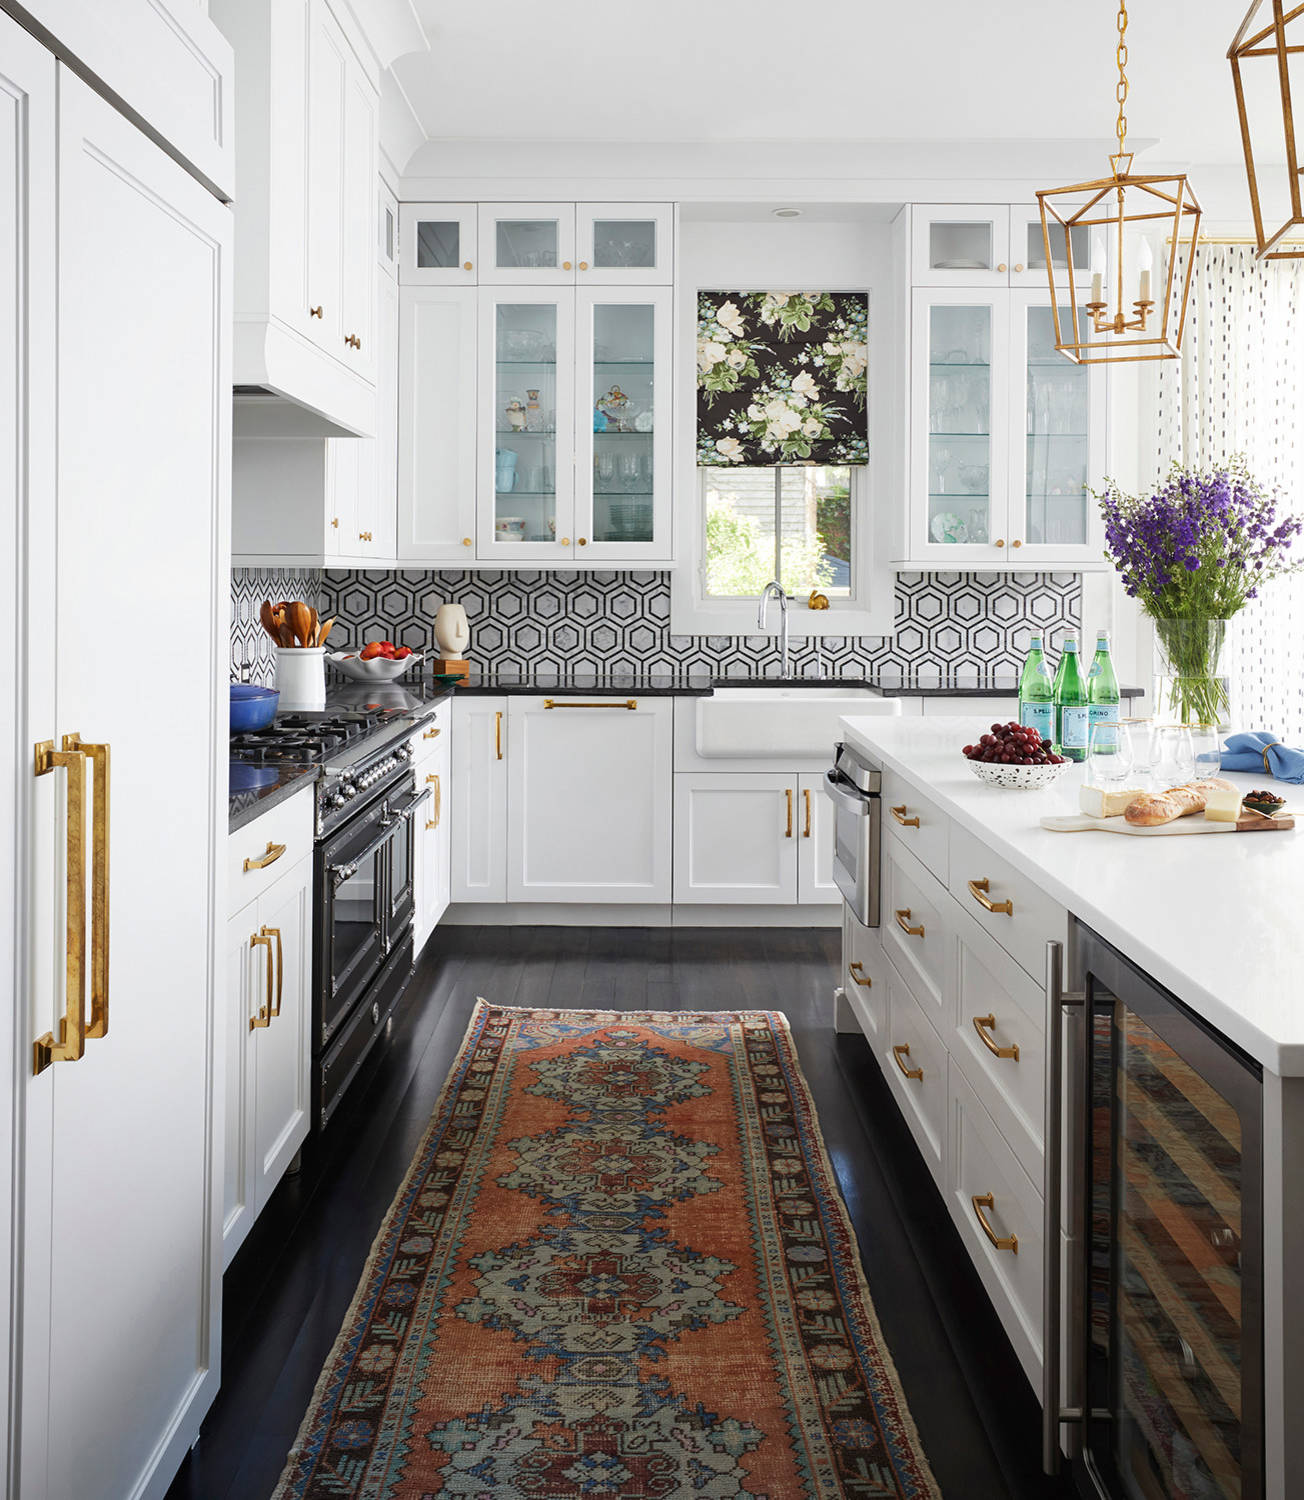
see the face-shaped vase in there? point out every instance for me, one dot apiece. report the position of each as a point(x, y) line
point(452, 632)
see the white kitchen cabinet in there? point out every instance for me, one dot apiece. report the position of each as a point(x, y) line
point(432, 856)
point(268, 1038)
point(527, 244)
point(478, 810)
point(589, 790)
point(736, 838)
point(815, 883)
point(620, 244)
point(120, 1240)
point(985, 244)
point(1006, 436)
point(306, 163)
point(438, 244)
point(436, 424)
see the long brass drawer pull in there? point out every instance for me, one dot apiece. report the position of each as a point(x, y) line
point(788, 831)
point(902, 1049)
point(899, 813)
point(98, 1026)
point(439, 801)
point(498, 733)
point(806, 831)
point(630, 703)
point(857, 972)
point(71, 1043)
point(983, 1201)
point(903, 922)
point(274, 1009)
point(264, 1017)
point(984, 1026)
point(978, 889)
point(274, 852)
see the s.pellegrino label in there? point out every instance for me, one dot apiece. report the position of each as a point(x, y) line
point(1103, 696)
point(1037, 692)
point(1071, 703)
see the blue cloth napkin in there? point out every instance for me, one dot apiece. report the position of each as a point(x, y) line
point(1259, 751)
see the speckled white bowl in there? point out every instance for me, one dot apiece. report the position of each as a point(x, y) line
point(376, 668)
point(1017, 778)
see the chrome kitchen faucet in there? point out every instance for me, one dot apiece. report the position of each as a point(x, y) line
point(774, 590)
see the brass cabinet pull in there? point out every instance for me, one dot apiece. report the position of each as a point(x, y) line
point(630, 703)
point(984, 1026)
point(314, 312)
point(977, 889)
point(264, 1017)
point(1016, 543)
point(71, 1043)
point(430, 734)
point(903, 922)
point(584, 541)
point(899, 813)
point(981, 1201)
point(788, 831)
point(1001, 267)
point(498, 734)
point(353, 341)
point(565, 541)
point(1000, 541)
point(274, 852)
point(439, 799)
point(584, 265)
point(275, 1009)
point(335, 522)
point(902, 1049)
point(99, 758)
point(857, 972)
point(466, 541)
point(806, 830)
point(466, 265)
point(565, 265)
point(1018, 266)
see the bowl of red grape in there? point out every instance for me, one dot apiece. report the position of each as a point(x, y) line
point(1016, 757)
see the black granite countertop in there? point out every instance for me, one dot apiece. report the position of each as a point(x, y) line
point(898, 685)
point(607, 684)
point(250, 802)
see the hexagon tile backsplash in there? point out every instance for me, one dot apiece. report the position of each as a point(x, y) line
point(620, 622)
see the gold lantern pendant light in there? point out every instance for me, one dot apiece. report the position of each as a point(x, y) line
point(1271, 42)
point(1087, 226)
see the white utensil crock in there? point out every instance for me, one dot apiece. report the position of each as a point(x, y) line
point(301, 676)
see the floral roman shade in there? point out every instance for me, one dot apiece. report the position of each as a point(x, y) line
point(781, 378)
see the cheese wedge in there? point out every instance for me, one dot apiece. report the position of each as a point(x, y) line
point(1105, 802)
point(1222, 805)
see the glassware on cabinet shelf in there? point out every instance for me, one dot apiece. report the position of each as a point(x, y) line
point(959, 423)
point(1057, 505)
point(525, 455)
point(624, 243)
point(526, 244)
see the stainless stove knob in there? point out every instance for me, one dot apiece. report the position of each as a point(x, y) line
point(350, 791)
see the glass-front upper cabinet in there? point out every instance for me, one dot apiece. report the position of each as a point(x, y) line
point(964, 245)
point(1028, 251)
point(438, 244)
point(960, 453)
point(526, 425)
point(625, 243)
point(527, 244)
point(1058, 452)
point(622, 440)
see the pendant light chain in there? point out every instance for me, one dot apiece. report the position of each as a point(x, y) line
point(1120, 92)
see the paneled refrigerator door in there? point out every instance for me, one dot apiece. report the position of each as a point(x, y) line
point(1057, 443)
point(526, 428)
point(959, 431)
point(128, 1237)
point(623, 425)
point(1173, 1275)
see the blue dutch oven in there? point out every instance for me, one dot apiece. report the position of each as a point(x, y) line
point(252, 707)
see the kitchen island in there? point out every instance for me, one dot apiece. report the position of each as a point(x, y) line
point(1144, 1160)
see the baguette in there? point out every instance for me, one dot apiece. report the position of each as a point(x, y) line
point(1152, 809)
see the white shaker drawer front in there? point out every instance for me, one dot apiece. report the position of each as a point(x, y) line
point(998, 1038)
point(432, 738)
point(998, 1213)
point(917, 823)
point(1004, 902)
point(916, 934)
point(864, 974)
point(262, 851)
point(913, 1059)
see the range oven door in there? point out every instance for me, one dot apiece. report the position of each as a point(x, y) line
point(400, 904)
point(1172, 1279)
point(857, 833)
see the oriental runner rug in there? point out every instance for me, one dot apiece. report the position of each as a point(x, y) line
point(619, 1267)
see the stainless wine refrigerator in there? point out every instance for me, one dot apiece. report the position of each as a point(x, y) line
point(1163, 1335)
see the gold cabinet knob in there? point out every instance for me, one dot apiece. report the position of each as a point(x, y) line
point(1000, 541)
point(353, 341)
point(565, 265)
point(1016, 543)
point(466, 541)
point(584, 265)
point(1001, 267)
point(335, 521)
point(315, 312)
point(584, 541)
point(565, 541)
point(466, 265)
point(1018, 267)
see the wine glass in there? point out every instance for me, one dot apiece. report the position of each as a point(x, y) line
point(1108, 755)
point(1176, 756)
point(1207, 744)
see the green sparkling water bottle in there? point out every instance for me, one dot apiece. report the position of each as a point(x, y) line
point(1037, 692)
point(1071, 702)
point(1102, 695)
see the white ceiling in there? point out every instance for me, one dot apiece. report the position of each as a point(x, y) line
point(827, 70)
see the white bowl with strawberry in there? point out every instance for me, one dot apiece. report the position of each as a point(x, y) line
point(377, 661)
point(1015, 757)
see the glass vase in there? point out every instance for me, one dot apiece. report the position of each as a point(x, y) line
point(1190, 686)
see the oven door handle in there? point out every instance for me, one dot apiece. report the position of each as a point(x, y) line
point(856, 802)
point(339, 873)
point(406, 811)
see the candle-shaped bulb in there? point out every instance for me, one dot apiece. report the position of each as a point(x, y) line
point(1097, 267)
point(1146, 260)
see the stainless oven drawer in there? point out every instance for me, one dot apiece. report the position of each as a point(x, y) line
point(857, 836)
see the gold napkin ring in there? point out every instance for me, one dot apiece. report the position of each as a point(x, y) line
point(1266, 767)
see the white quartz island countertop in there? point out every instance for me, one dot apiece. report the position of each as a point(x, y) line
point(1217, 919)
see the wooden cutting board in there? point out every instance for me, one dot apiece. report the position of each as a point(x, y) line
point(1250, 822)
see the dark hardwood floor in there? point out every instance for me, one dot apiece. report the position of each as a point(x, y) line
point(288, 1289)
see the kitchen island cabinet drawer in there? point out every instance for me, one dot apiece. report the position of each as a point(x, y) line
point(917, 823)
point(913, 1059)
point(430, 740)
point(262, 851)
point(916, 932)
point(997, 1210)
point(998, 1038)
point(1005, 902)
point(864, 974)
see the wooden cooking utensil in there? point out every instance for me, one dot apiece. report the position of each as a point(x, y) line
point(268, 622)
point(298, 616)
point(286, 636)
point(313, 622)
point(324, 631)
